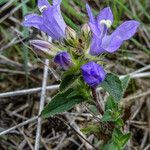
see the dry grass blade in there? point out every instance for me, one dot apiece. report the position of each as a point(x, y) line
point(19, 125)
point(42, 101)
point(28, 91)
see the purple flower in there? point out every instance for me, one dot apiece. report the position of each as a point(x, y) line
point(63, 59)
point(44, 48)
point(50, 22)
point(102, 41)
point(93, 74)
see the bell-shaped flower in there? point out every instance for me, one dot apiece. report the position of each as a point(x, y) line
point(101, 40)
point(63, 59)
point(50, 21)
point(93, 74)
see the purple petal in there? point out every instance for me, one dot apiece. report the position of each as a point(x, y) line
point(59, 19)
point(38, 22)
point(96, 48)
point(93, 74)
point(64, 60)
point(56, 2)
point(33, 20)
point(53, 19)
point(90, 14)
point(105, 14)
point(111, 43)
point(126, 30)
point(40, 43)
point(43, 4)
point(94, 29)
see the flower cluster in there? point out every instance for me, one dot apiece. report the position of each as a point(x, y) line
point(51, 22)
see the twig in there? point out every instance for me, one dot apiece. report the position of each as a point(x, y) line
point(140, 70)
point(56, 87)
point(98, 105)
point(66, 123)
point(141, 75)
point(147, 147)
point(28, 91)
point(12, 11)
point(7, 5)
point(19, 125)
point(130, 100)
point(42, 101)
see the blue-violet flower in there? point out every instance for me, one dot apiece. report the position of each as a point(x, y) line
point(51, 20)
point(93, 74)
point(63, 59)
point(102, 41)
point(44, 48)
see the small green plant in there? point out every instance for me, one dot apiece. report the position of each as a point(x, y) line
point(80, 57)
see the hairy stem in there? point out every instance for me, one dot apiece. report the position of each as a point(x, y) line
point(95, 98)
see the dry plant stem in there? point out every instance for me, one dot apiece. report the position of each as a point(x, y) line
point(129, 100)
point(69, 125)
point(28, 91)
point(56, 87)
point(95, 98)
point(19, 125)
point(42, 101)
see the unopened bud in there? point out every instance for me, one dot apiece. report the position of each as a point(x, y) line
point(85, 29)
point(63, 59)
point(43, 48)
point(70, 33)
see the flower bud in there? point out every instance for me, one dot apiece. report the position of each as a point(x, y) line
point(70, 33)
point(63, 59)
point(93, 74)
point(85, 29)
point(43, 48)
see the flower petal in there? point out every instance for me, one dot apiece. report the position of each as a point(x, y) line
point(111, 43)
point(124, 32)
point(33, 20)
point(53, 19)
point(38, 22)
point(105, 14)
point(64, 60)
point(59, 19)
point(96, 48)
point(90, 14)
point(93, 74)
point(127, 29)
point(43, 4)
point(95, 29)
point(56, 2)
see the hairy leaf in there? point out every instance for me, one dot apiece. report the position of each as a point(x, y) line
point(125, 81)
point(62, 102)
point(113, 86)
point(111, 104)
point(67, 81)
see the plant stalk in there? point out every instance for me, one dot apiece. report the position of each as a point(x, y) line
point(95, 98)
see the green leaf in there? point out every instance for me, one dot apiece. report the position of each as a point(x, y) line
point(68, 80)
point(62, 102)
point(125, 138)
point(111, 104)
point(119, 122)
point(113, 86)
point(110, 146)
point(91, 128)
point(120, 138)
point(125, 81)
point(117, 133)
point(107, 116)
